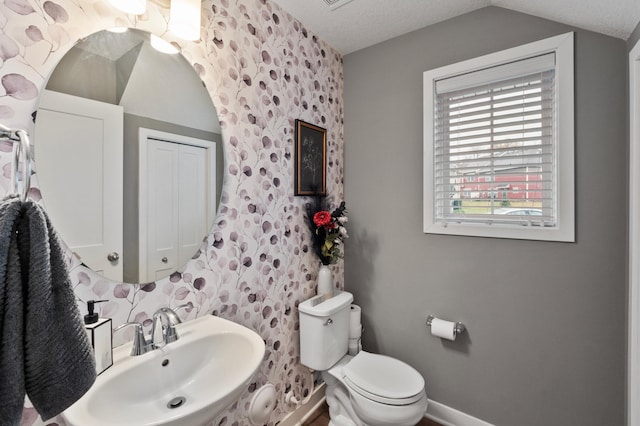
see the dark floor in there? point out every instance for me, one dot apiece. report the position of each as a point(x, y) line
point(321, 418)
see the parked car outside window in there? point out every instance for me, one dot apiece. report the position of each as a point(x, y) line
point(519, 212)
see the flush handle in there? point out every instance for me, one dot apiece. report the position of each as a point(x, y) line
point(165, 260)
point(329, 322)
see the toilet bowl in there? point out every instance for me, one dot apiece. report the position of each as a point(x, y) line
point(362, 390)
point(381, 390)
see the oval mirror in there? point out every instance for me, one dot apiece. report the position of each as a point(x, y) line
point(128, 155)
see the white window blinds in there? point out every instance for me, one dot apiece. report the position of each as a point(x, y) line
point(495, 149)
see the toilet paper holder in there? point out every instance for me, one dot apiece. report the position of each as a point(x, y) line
point(459, 328)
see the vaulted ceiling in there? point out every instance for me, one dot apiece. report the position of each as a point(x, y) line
point(350, 25)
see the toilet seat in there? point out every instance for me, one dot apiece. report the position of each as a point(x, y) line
point(383, 379)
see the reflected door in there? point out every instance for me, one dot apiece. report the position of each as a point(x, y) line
point(177, 207)
point(83, 147)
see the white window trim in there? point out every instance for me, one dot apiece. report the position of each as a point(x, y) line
point(564, 230)
point(633, 365)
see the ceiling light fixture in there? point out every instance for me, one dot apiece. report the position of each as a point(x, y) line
point(162, 45)
point(135, 7)
point(184, 18)
point(118, 30)
point(334, 4)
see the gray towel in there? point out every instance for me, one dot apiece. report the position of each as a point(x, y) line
point(11, 318)
point(49, 356)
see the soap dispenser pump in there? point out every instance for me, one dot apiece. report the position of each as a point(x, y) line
point(92, 317)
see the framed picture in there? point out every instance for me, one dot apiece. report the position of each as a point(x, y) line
point(311, 159)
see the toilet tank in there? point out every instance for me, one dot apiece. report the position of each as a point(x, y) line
point(324, 330)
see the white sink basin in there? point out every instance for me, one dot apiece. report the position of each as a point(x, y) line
point(201, 373)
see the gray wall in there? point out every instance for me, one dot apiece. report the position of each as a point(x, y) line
point(86, 76)
point(546, 341)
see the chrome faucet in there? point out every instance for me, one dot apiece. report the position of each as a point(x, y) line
point(169, 333)
point(140, 344)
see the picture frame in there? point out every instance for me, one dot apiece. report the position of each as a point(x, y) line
point(311, 159)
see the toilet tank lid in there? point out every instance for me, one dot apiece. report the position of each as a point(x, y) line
point(318, 306)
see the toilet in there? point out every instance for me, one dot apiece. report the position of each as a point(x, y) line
point(362, 390)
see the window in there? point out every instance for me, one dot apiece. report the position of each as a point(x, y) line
point(498, 144)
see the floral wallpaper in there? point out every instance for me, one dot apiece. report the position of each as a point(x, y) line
point(263, 70)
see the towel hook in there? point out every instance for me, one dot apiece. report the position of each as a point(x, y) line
point(7, 133)
point(21, 152)
point(24, 149)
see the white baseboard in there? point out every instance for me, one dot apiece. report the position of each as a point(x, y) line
point(448, 416)
point(303, 412)
point(436, 411)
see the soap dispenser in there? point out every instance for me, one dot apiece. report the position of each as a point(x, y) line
point(99, 332)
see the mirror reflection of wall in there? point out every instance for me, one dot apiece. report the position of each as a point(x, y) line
point(79, 166)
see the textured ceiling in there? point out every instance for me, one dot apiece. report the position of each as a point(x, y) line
point(362, 23)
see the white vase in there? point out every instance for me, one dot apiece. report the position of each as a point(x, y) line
point(325, 281)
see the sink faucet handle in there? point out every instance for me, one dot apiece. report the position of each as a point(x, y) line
point(140, 343)
point(186, 306)
point(171, 313)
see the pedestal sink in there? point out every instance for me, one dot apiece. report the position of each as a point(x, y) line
point(187, 383)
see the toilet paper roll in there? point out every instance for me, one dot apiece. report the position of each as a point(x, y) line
point(355, 326)
point(443, 329)
point(354, 346)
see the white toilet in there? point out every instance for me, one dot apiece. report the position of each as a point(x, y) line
point(362, 390)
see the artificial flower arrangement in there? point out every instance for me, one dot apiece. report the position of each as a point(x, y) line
point(328, 231)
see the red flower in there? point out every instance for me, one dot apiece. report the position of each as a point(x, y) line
point(322, 218)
